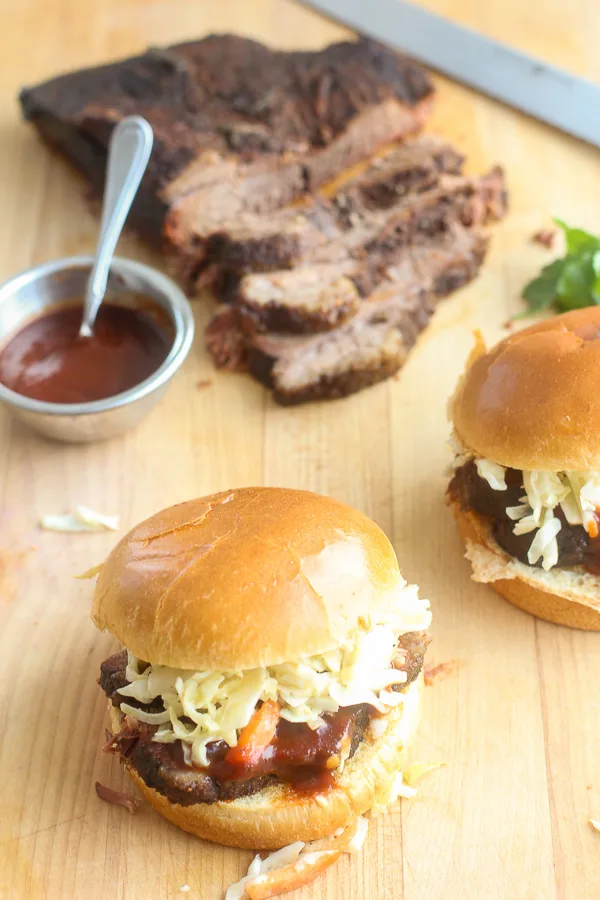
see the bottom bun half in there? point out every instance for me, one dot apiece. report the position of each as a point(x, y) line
point(277, 816)
point(564, 596)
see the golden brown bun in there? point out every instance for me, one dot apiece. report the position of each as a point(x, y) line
point(564, 596)
point(277, 816)
point(533, 401)
point(245, 578)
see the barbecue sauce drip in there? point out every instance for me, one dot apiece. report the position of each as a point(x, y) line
point(47, 360)
point(297, 755)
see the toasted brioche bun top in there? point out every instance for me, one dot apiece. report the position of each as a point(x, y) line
point(533, 400)
point(245, 578)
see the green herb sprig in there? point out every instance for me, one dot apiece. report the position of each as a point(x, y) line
point(571, 282)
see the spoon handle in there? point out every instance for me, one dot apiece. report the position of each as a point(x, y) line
point(128, 153)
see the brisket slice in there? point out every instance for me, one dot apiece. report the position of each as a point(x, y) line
point(238, 127)
point(160, 768)
point(305, 300)
point(320, 296)
point(112, 677)
point(575, 546)
point(369, 347)
point(470, 201)
point(323, 227)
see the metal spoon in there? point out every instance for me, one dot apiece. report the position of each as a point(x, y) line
point(128, 154)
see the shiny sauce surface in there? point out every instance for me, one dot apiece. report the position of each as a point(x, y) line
point(298, 755)
point(47, 360)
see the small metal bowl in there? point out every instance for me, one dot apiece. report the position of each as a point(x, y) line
point(37, 290)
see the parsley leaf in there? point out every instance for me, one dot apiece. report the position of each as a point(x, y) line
point(540, 293)
point(571, 282)
point(574, 287)
point(577, 239)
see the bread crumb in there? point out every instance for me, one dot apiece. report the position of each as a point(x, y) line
point(203, 383)
point(184, 888)
point(433, 674)
point(544, 237)
point(81, 519)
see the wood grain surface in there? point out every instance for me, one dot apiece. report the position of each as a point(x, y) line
point(518, 720)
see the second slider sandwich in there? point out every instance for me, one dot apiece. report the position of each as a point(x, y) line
point(270, 681)
point(526, 486)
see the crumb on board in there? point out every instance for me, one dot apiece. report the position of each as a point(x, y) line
point(544, 237)
point(433, 674)
point(203, 383)
point(82, 518)
point(117, 798)
point(416, 770)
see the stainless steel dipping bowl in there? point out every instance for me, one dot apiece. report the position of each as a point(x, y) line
point(51, 284)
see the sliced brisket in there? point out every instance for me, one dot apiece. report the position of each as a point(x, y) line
point(470, 201)
point(112, 676)
point(238, 127)
point(324, 294)
point(370, 346)
point(326, 229)
point(244, 136)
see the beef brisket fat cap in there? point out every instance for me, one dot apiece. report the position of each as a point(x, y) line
point(227, 95)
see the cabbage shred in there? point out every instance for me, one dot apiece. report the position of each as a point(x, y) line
point(221, 703)
point(576, 493)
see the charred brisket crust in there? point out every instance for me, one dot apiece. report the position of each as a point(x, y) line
point(470, 491)
point(278, 251)
point(112, 677)
point(282, 319)
point(327, 387)
point(153, 763)
point(224, 95)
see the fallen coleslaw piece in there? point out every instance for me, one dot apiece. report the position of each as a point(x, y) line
point(417, 770)
point(297, 864)
point(81, 519)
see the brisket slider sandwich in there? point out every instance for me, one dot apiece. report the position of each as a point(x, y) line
point(270, 680)
point(526, 486)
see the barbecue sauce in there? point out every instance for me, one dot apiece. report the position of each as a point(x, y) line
point(47, 360)
point(297, 756)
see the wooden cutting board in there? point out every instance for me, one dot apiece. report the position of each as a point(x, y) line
point(518, 720)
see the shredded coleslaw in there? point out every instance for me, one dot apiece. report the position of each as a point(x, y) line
point(218, 704)
point(576, 493)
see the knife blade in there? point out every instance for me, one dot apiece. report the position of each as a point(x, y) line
point(524, 82)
